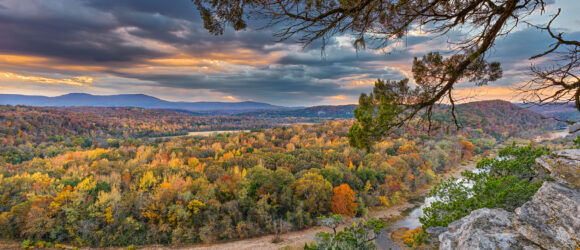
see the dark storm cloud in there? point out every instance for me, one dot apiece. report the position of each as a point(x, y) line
point(277, 84)
point(160, 21)
point(69, 38)
point(125, 35)
point(272, 85)
point(98, 39)
point(179, 9)
point(344, 57)
point(523, 44)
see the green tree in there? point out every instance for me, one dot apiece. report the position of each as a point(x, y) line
point(360, 235)
point(315, 191)
point(506, 182)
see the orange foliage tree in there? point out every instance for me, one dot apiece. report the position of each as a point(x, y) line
point(343, 200)
point(468, 149)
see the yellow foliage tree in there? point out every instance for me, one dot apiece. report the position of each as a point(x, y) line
point(109, 215)
point(147, 181)
point(87, 184)
point(195, 206)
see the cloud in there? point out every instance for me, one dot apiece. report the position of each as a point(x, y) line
point(231, 98)
point(74, 81)
point(161, 48)
point(339, 97)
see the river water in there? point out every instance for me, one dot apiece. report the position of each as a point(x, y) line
point(411, 221)
point(201, 134)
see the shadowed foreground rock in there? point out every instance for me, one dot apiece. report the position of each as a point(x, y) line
point(550, 220)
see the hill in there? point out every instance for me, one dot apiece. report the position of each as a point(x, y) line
point(498, 118)
point(562, 111)
point(132, 100)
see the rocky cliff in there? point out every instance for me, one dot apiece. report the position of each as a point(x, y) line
point(550, 220)
point(574, 130)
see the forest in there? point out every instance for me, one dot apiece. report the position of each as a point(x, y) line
point(27, 132)
point(195, 189)
point(98, 177)
point(113, 149)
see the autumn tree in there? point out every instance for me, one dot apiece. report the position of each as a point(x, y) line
point(178, 191)
point(468, 149)
point(343, 201)
point(315, 191)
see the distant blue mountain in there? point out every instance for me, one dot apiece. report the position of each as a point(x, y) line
point(132, 100)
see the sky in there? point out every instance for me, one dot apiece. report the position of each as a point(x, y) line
point(160, 48)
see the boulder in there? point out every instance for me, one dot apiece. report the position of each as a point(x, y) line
point(434, 233)
point(551, 220)
point(574, 128)
point(563, 166)
point(484, 229)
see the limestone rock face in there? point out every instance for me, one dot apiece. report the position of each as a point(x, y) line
point(563, 166)
point(550, 220)
point(574, 128)
point(484, 229)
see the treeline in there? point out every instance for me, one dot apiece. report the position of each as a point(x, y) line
point(500, 119)
point(27, 132)
point(222, 187)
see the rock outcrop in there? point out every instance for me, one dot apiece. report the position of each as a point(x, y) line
point(485, 229)
point(550, 220)
point(563, 166)
point(574, 130)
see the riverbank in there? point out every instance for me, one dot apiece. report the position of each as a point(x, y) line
point(390, 238)
point(297, 239)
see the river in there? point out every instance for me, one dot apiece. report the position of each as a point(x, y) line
point(202, 133)
point(297, 239)
point(385, 241)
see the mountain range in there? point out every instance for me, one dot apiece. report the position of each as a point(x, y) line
point(247, 108)
point(132, 100)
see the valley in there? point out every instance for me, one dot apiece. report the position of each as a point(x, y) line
point(144, 173)
point(289, 124)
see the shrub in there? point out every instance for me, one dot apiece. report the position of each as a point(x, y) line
point(506, 182)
